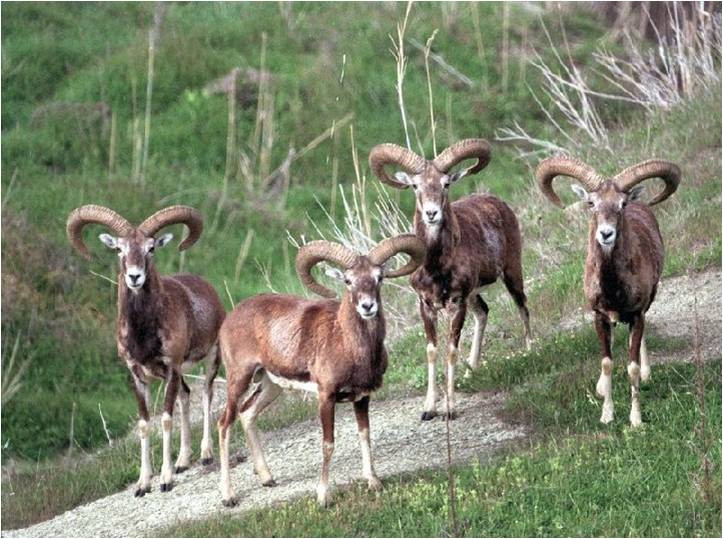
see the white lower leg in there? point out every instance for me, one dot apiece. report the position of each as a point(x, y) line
point(367, 468)
point(252, 440)
point(451, 361)
point(184, 455)
point(167, 469)
point(225, 485)
point(526, 322)
point(634, 375)
point(322, 490)
point(206, 451)
point(644, 364)
point(211, 369)
point(430, 403)
point(144, 481)
point(480, 322)
point(605, 390)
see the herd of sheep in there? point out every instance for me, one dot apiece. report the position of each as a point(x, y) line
point(335, 347)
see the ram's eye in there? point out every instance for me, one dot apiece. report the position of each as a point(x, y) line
point(590, 204)
point(445, 186)
point(347, 281)
point(414, 186)
point(151, 248)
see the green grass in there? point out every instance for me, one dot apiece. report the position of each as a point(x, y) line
point(94, 52)
point(54, 167)
point(58, 52)
point(596, 481)
point(33, 493)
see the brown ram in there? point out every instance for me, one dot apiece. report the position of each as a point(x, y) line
point(624, 258)
point(165, 325)
point(332, 348)
point(470, 243)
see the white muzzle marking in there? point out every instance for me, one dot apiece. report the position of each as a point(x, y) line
point(431, 214)
point(135, 277)
point(367, 307)
point(606, 236)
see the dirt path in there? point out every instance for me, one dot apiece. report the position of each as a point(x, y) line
point(401, 443)
point(673, 314)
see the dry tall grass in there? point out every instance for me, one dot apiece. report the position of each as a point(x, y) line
point(680, 63)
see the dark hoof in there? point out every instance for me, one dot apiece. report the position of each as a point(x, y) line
point(428, 416)
point(452, 416)
point(140, 492)
point(231, 502)
point(269, 483)
point(181, 469)
point(207, 462)
point(166, 487)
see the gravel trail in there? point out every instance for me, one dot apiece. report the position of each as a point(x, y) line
point(673, 315)
point(400, 442)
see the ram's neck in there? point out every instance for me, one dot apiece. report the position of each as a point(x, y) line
point(139, 316)
point(440, 240)
point(608, 265)
point(362, 338)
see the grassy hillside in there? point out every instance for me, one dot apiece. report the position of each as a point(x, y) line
point(324, 65)
point(325, 61)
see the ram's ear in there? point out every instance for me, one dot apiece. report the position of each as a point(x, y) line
point(163, 240)
point(635, 193)
point(335, 274)
point(456, 176)
point(580, 192)
point(403, 178)
point(109, 241)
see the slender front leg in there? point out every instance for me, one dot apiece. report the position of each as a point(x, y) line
point(142, 393)
point(213, 360)
point(256, 404)
point(429, 320)
point(184, 455)
point(361, 410)
point(480, 310)
point(636, 338)
point(644, 363)
point(225, 422)
point(604, 386)
point(455, 330)
point(172, 383)
point(326, 415)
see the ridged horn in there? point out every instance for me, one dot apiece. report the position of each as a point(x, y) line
point(172, 215)
point(92, 214)
point(464, 149)
point(550, 168)
point(393, 154)
point(404, 243)
point(317, 251)
point(652, 168)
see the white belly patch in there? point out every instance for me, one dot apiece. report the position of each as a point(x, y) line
point(287, 383)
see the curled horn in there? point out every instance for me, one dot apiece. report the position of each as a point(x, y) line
point(392, 154)
point(317, 251)
point(172, 215)
point(405, 243)
point(465, 149)
point(653, 168)
point(100, 215)
point(565, 166)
